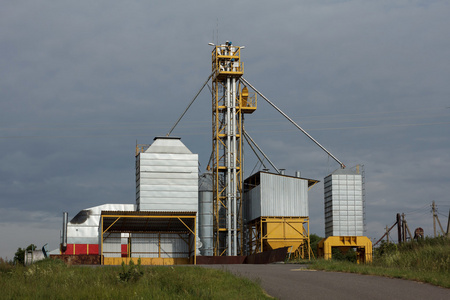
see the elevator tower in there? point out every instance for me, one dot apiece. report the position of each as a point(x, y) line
point(230, 101)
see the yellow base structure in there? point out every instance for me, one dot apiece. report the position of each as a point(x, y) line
point(362, 244)
point(268, 233)
point(146, 261)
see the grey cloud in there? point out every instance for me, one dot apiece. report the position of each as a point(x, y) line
point(82, 81)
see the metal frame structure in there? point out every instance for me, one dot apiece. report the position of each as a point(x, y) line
point(179, 225)
point(268, 233)
point(230, 101)
point(362, 244)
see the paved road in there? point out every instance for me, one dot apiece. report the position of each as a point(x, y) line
point(287, 281)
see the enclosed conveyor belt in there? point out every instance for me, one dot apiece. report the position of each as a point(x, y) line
point(244, 81)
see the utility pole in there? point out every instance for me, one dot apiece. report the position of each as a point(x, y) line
point(387, 234)
point(448, 223)
point(433, 208)
point(435, 217)
point(405, 228)
point(399, 229)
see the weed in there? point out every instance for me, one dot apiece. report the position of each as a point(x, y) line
point(50, 280)
point(131, 273)
point(5, 266)
point(426, 260)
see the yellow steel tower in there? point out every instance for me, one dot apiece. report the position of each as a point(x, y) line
point(230, 101)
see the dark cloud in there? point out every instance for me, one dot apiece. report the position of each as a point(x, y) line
point(80, 82)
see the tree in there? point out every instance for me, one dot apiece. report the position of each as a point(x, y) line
point(19, 256)
point(314, 240)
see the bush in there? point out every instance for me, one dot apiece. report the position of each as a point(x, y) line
point(5, 266)
point(350, 255)
point(131, 273)
point(385, 248)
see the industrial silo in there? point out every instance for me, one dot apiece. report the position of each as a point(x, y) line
point(166, 182)
point(205, 214)
point(167, 177)
point(277, 213)
point(344, 203)
point(344, 215)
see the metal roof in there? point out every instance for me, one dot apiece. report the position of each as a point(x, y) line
point(255, 178)
point(344, 172)
point(167, 145)
point(148, 221)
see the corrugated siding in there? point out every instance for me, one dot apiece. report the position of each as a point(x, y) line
point(167, 181)
point(253, 201)
point(112, 246)
point(205, 222)
point(144, 245)
point(172, 247)
point(278, 196)
point(344, 212)
point(147, 245)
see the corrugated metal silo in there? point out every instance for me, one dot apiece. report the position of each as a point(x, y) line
point(167, 177)
point(205, 214)
point(344, 203)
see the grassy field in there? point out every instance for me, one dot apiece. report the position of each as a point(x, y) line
point(427, 261)
point(54, 280)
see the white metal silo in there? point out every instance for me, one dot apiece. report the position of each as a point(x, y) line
point(344, 203)
point(167, 177)
point(205, 214)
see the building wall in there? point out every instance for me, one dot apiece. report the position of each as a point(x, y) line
point(277, 196)
point(84, 227)
point(167, 177)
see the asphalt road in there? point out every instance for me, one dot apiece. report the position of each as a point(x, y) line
point(287, 281)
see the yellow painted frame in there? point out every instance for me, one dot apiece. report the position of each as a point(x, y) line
point(245, 104)
point(156, 260)
point(362, 244)
point(285, 231)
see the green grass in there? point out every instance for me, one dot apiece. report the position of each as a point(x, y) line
point(427, 261)
point(54, 280)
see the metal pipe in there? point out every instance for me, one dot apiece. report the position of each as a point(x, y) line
point(295, 124)
point(229, 192)
point(187, 108)
point(234, 225)
point(64, 231)
point(254, 151)
point(256, 145)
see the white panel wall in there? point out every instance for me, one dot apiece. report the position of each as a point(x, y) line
point(146, 245)
point(344, 209)
point(167, 181)
point(112, 246)
point(84, 227)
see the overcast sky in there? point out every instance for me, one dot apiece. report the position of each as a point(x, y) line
point(82, 81)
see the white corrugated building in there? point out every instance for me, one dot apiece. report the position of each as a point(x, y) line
point(167, 177)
